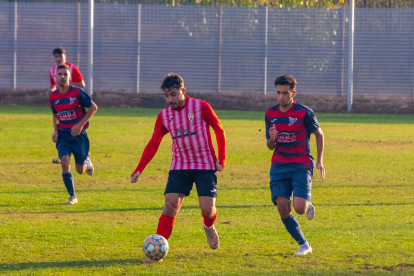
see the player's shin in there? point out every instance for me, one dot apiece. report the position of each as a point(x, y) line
point(165, 226)
point(69, 183)
point(208, 222)
point(292, 226)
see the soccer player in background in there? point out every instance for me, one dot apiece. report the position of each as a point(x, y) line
point(289, 126)
point(188, 121)
point(70, 121)
point(77, 80)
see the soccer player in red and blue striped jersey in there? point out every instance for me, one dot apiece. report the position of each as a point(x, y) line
point(194, 160)
point(70, 121)
point(289, 126)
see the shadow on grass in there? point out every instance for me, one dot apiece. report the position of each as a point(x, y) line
point(70, 264)
point(227, 115)
point(129, 209)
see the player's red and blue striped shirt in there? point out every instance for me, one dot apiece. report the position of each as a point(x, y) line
point(295, 126)
point(70, 107)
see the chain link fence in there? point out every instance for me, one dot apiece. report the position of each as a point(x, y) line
point(214, 48)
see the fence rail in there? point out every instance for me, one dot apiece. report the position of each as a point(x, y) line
point(214, 48)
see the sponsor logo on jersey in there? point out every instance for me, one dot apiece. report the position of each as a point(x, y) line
point(56, 102)
point(273, 120)
point(191, 116)
point(286, 137)
point(67, 115)
point(292, 121)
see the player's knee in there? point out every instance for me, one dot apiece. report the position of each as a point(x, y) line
point(208, 211)
point(65, 165)
point(171, 208)
point(300, 207)
point(80, 170)
point(284, 210)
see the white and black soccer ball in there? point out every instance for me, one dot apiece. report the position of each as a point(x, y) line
point(155, 247)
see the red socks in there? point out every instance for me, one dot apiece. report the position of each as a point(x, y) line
point(208, 222)
point(165, 226)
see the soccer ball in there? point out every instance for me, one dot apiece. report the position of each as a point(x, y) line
point(155, 247)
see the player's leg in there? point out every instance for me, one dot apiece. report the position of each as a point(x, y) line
point(178, 187)
point(80, 148)
point(281, 189)
point(302, 183)
point(68, 179)
point(206, 183)
point(64, 152)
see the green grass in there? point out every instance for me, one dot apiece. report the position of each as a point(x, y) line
point(363, 225)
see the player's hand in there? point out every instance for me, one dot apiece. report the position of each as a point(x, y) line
point(134, 177)
point(273, 132)
point(55, 137)
point(48, 92)
point(77, 129)
point(219, 167)
point(320, 167)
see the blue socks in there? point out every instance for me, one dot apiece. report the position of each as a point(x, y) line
point(69, 183)
point(292, 226)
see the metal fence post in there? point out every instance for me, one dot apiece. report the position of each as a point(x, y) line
point(15, 47)
point(265, 69)
point(139, 46)
point(90, 47)
point(220, 41)
point(351, 55)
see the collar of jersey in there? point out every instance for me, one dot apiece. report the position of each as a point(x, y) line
point(182, 107)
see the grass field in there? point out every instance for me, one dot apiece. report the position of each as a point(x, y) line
point(364, 221)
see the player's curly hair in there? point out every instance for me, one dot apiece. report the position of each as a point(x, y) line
point(286, 80)
point(172, 81)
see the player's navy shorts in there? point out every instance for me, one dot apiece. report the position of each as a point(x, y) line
point(78, 145)
point(181, 182)
point(298, 183)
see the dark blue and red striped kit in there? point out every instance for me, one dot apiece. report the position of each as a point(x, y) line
point(70, 107)
point(292, 152)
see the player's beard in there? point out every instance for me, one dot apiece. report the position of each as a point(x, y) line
point(63, 84)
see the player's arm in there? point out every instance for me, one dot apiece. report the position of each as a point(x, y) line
point(55, 126)
point(151, 148)
point(77, 79)
point(212, 120)
point(52, 86)
point(320, 143)
point(312, 126)
point(271, 135)
point(86, 101)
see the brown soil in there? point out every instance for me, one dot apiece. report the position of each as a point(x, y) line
point(246, 102)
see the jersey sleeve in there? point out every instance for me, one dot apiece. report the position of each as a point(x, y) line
point(53, 108)
point(152, 147)
point(310, 121)
point(76, 75)
point(211, 119)
point(85, 99)
point(52, 81)
point(267, 127)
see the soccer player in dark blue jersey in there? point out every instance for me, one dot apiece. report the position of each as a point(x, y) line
point(289, 126)
point(70, 121)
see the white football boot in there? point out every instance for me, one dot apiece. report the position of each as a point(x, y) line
point(149, 261)
point(212, 236)
point(304, 250)
point(72, 200)
point(310, 212)
point(90, 168)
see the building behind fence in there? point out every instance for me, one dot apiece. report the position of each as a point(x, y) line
point(214, 48)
